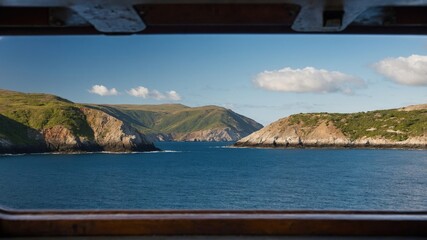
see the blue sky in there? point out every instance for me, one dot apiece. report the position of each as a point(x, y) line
point(264, 77)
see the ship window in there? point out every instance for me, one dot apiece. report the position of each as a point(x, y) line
point(274, 134)
point(194, 96)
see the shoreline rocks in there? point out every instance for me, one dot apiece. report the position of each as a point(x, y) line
point(107, 134)
point(287, 133)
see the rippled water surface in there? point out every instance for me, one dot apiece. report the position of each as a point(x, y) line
point(210, 176)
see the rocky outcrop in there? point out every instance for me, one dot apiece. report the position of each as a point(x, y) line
point(31, 122)
point(112, 134)
point(62, 139)
point(107, 133)
point(160, 137)
point(176, 122)
point(217, 135)
point(209, 135)
point(285, 133)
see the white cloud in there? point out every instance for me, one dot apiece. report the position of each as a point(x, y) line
point(173, 95)
point(103, 91)
point(139, 92)
point(147, 93)
point(410, 70)
point(308, 79)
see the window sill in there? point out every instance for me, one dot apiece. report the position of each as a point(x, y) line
point(29, 223)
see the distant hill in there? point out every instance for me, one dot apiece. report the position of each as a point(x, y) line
point(177, 122)
point(405, 127)
point(32, 122)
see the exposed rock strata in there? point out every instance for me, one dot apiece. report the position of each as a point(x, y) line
point(210, 135)
point(159, 137)
point(108, 134)
point(218, 134)
point(283, 133)
point(60, 139)
point(113, 134)
point(176, 122)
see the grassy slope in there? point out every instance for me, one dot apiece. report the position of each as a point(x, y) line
point(177, 118)
point(391, 124)
point(39, 111)
point(20, 112)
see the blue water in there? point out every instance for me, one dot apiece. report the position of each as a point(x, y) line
point(201, 175)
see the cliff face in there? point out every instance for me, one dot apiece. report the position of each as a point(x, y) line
point(175, 122)
point(210, 135)
point(217, 135)
point(112, 134)
point(46, 123)
point(32, 122)
point(284, 133)
point(108, 134)
point(61, 139)
point(374, 129)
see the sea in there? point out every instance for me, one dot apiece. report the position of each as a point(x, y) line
point(213, 175)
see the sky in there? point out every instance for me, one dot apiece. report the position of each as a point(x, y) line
point(264, 77)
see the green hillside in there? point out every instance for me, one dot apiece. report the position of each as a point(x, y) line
point(39, 111)
point(393, 124)
point(178, 118)
point(24, 112)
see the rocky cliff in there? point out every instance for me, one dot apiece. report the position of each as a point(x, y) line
point(113, 134)
point(32, 122)
point(107, 134)
point(46, 123)
point(223, 134)
point(395, 128)
point(216, 135)
point(176, 122)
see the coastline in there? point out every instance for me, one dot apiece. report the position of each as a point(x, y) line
point(333, 146)
point(82, 153)
point(23, 151)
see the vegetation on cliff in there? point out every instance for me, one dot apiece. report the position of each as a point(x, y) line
point(405, 127)
point(179, 121)
point(391, 124)
point(40, 111)
point(41, 122)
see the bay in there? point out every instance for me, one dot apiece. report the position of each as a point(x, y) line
point(205, 175)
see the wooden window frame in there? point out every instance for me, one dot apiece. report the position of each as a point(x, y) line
point(34, 223)
point(43, 223)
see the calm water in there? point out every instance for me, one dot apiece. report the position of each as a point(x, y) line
point(209, 176)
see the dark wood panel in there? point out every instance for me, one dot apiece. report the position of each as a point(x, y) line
point(24, 16)
point(253, 223)
point(218, 14)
